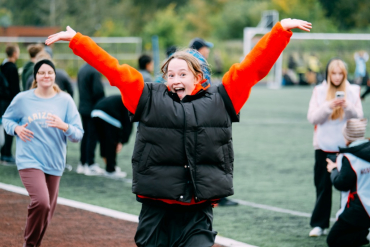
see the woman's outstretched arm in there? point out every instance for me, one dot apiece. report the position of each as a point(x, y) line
point(127, 79)
point(241, 77)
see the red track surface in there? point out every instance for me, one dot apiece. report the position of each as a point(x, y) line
point(69, 227)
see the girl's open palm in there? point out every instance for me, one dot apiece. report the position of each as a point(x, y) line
point(64, 35)
point(289, 24)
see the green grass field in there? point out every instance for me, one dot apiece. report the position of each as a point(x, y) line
point(274, 161)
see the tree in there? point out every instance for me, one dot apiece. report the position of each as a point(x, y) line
point(167, 25)
point(236, 15)
point(348, 14)
point(309, 10)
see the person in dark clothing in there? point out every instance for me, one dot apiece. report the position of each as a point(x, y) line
point(113, 128)
point(27, 72)
point(146, 66)
point(61, 77)
point(183, 159)
point(367, 90)
point(202, 46)
point(351, 175)
point(10, 72)
point(91, 90)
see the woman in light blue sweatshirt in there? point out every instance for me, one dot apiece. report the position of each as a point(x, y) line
point(42, 119)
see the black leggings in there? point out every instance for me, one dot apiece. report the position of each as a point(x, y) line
point(108, 137)
point(88, 142)
point(164, 227)
point(321, 213)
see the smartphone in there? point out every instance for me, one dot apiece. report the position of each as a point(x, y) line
point(339, 95)
point(332, 157)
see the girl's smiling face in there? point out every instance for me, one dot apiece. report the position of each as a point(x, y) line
point(180, 79)
point(45, 77)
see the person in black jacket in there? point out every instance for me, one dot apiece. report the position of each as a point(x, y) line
point(10, 72)
point(91, 90)
point(183, 155)
point(113, 128)
point(351, 174)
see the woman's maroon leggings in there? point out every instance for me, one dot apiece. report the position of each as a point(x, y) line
point(43, 190)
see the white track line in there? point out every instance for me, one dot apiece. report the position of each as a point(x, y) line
point(275, 209)
point(113, 213)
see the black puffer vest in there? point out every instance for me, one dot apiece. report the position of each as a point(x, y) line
point(183, 148)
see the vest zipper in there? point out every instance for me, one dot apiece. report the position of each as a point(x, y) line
point(186, 153)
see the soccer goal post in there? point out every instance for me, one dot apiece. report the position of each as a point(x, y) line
point(276, 81)
point(122, 48)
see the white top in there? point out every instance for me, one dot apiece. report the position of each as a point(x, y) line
point(328, 133)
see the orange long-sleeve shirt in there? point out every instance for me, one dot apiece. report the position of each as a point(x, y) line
point(238, 81)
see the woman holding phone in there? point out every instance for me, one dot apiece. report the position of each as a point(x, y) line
point(332, 103)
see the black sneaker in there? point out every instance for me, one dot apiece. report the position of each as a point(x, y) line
point(226, 202)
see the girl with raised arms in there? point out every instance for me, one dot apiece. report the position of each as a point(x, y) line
point(183, 156)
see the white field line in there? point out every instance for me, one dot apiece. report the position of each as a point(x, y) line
point(275, 209)
point(274, 121)
point(113, 213)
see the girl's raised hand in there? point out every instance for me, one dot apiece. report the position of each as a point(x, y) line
point(64, 35)
point(289, 24)
point(23, 133)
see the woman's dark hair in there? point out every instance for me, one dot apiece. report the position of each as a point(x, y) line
point(144, 60)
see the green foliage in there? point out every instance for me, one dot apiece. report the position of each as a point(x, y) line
point(167, 25)
point(238, 15)
point(109, 28)
point(5, 17)
point(348, 14)
point(310, 10)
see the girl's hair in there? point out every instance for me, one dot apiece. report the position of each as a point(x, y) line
point(338, 112)
point(196, 63)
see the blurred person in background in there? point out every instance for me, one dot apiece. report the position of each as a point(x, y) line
point(27, 71)
point(42, 118)
point(361, 75)
point(329, 114)
point(178, 178)
point(367, 90)
point(10, 72)
point(62, 79)
point(313, 66)
point(201, 46)
point(91, 90)
point(146, 67)
point(113, 128)
point(351, 175)
point(169, 51)
point(4, 102)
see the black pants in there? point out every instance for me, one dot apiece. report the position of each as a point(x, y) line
point(6, 150)
point(321, 213)
point(162, 227)
point(89, 140)
point(343, 234)
point(366, 92)
point(108, 136)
